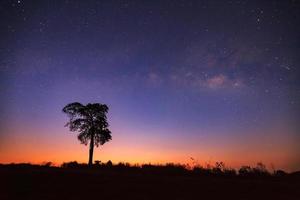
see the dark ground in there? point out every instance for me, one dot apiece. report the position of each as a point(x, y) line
point(36, 182)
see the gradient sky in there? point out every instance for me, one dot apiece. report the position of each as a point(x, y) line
point(212, 80)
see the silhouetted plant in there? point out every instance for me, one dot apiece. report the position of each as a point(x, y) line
point(175, 168)
point(220, 165)
point(72, 164)
point(121, 165)
point(91, 122)
point(219, 168)
point(147, 166)
point(97, 162)
point(48, 164)
point(279, 173)
point(229, 172)
point(260, 169)
point(245, 170)
point(109, 163)
point(201, 170)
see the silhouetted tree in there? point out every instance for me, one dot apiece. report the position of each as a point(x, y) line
point(91, 122)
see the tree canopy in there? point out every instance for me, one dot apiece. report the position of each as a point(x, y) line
point(90, 121)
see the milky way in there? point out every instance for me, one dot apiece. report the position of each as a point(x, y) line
point(216, 80)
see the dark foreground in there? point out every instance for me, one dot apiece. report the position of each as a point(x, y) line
point(35, 182)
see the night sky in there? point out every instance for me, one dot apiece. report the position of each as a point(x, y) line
point(212, 80)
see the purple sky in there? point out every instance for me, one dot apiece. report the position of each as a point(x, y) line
point(189, 73)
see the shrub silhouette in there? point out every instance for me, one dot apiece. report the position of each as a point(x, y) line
point(245, 171)
point(91, 122)
point(229, 172)
point(219, 168)
point(168, 169)
point(72, 164)
point(280, 173)
point(109, 163)
point(47, 164)
point(97, 162)
point(259, 170)
point(202, 170)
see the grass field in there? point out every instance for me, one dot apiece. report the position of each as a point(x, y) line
point(148, 182)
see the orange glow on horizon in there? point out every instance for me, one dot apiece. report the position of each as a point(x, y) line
point(145, 149)
point(37, 145)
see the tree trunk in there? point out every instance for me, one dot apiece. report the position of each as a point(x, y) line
point(91, 151)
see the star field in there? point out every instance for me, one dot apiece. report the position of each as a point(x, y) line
point(181, 74)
